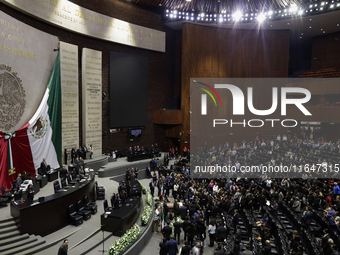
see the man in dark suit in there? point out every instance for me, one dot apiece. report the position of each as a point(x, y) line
point(238, 233)
point(73, 155)
point(63, 172)
point(185, 249)
point(152, 187)
point(167, 231)
point(63, 249)
point(324, 240)
point(148, 172)
point(332, 224)
point(172, 246)
point(44, 168)
point(307, 217)
point(235, 218)
point(186, 225)
point(19, 180)
point(183, 211)
point(84, 149)
point(177, 230)
point(163, 248)
point(266, 250)
point(220, 233)
point(79, 152)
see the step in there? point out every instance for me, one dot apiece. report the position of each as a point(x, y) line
point(18, 243)
point(8, 229)
point(6, 224)
point(35, 249)
point(13, 239)
point(9, 235)
point(6, 220)
point(25, 247)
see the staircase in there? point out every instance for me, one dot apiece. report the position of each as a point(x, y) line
point(11, 242)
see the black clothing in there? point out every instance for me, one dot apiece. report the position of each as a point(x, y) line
point(63, 249)
point(167, 232)
point(163, 249)
point(185, 250)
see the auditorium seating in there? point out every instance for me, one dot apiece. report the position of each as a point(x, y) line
point(100, 192)
point(321, 73)
point(56, 187)
point(69, 181)
point(82, 211)
point(76, 218)
point(6, 194)
point(64, 184)
point(91, 206)
point(106, 206)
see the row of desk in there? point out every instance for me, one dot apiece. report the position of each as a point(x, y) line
point(45, 217)
point(119, 220)
point(51, 214)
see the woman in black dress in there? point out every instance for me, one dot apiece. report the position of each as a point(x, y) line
point(30, 194)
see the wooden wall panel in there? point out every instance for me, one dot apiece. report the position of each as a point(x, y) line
point(171, 117)
point(218, 52)
point(325, 52)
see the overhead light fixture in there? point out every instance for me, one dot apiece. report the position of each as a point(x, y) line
point(300, 12)
point(261, 17)
point(270, 13)
point(237, 16)
point(293, 8)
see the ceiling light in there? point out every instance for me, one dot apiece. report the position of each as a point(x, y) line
point(300, 12)
point(270, 13)
point(261, 17)
point(332, 6)
point(293, 8)
point(237, 16)
point(220, 20)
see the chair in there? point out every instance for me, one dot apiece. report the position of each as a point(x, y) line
point(14, 186)
point(18, 195)
point(56, 187)
point(82, 211)
point(100, 192)
point(69, 181)
point(91, 206)
point(63, 184)
point(113, 200)
point(106, 206)
point(76, 218)
point(6, 194)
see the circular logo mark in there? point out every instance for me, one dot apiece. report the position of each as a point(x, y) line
point(12, 98)
point(40, 128)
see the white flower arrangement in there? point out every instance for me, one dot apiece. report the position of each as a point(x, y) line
point(122, 244)
point(146, 215)
point(147, 212)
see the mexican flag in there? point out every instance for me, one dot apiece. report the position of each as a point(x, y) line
point(25, 149)
point(162, 221)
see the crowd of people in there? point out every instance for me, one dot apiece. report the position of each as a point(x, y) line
point(214, 206)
